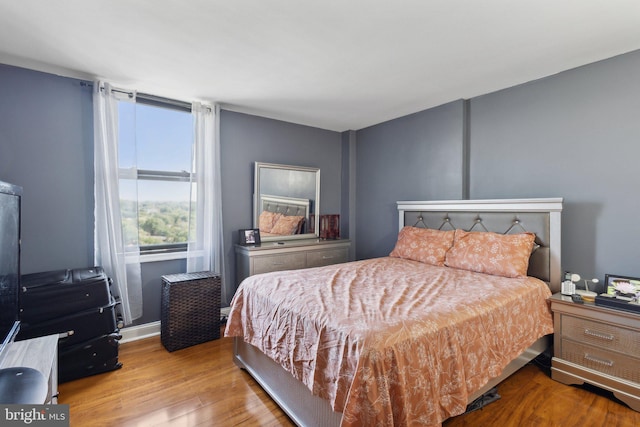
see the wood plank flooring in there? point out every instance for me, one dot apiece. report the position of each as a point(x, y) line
point(201, 386)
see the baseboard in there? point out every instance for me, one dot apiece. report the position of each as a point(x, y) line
point(138, 332)
point(147, 330)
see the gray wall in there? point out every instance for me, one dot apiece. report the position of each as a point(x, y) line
point(46, 134)
point(246, 139)
point(348, 201)
point(416, 157)
point(573, 135)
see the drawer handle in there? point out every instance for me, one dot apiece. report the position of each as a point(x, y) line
point(608, 363)
point(591, 333)
point(327, 257)
point(277, 263)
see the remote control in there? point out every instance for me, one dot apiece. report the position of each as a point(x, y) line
point(577, 298)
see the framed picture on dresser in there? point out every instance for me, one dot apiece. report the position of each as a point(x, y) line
point(249, 236)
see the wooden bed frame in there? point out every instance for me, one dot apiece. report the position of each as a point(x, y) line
point(541, 216)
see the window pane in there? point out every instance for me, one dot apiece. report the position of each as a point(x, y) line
point(154, 212)
point(163, 138)
point(129, 212)
point(126, 134)
point(163, 209)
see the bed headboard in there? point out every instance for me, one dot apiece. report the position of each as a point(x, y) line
point(284, 205)
point(507, 216)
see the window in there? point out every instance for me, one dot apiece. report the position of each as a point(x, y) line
point(155, 163)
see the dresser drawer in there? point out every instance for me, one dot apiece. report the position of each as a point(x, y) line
point(292, 261)
point(601, 360)
point(601, 335)
point(327, 257)
point(291, 255)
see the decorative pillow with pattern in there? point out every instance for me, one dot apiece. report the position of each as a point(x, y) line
point(267, 220)
point(286, 225)
point(492, 253)
point(423, 244)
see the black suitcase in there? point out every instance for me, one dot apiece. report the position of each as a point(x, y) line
point(92, 357)
point(75, 328)
point(52, 294)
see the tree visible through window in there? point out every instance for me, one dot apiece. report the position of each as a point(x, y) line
point(155, 161)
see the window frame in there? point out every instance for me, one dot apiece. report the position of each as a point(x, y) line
point(162, 251)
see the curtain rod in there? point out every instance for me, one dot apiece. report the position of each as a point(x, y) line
point(149, 99)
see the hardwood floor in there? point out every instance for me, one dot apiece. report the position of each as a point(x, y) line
point(200, 386)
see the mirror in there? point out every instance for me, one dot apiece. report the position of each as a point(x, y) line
point(286, 201)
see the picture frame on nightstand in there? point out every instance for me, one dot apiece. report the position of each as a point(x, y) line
point(616, 300)
point(611, 280)
point(249, 236)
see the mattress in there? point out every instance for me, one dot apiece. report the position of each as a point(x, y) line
point(387, 340)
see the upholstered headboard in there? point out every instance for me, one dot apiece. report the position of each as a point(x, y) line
point(290, 206)
point(508, 216)
point(285, 205)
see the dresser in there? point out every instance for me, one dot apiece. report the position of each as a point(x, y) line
point(289, 255)
point(598, 346)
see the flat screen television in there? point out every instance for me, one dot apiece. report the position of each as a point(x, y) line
point(10, 207)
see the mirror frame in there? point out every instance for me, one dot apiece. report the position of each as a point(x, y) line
point(259, 166)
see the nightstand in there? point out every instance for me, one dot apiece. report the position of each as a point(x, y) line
point(597, 345)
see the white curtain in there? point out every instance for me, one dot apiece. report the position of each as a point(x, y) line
point(121, 262)
point(205, 247)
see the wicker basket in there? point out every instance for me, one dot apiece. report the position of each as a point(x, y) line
point(190, 312)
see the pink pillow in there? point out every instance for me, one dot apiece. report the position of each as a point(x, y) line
point(267, 220)
point(492, 253)
point(286, 225)
point(423, 244)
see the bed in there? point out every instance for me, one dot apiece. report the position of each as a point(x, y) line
point(389, 341)
point(282, 216)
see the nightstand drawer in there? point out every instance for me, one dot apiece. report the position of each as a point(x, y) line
point(330, 256)
point(597, 345)
point(601, 335)
point(266, 264)
point(598, 359)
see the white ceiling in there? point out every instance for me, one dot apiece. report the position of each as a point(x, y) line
point(333, 64)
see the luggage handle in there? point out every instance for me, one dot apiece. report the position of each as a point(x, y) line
point(66, 334)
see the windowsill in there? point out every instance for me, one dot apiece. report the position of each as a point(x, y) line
point(165, 256)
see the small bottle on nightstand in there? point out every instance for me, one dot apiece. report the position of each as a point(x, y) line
point(568, 287)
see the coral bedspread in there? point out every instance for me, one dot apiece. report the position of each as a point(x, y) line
point(390, 341)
